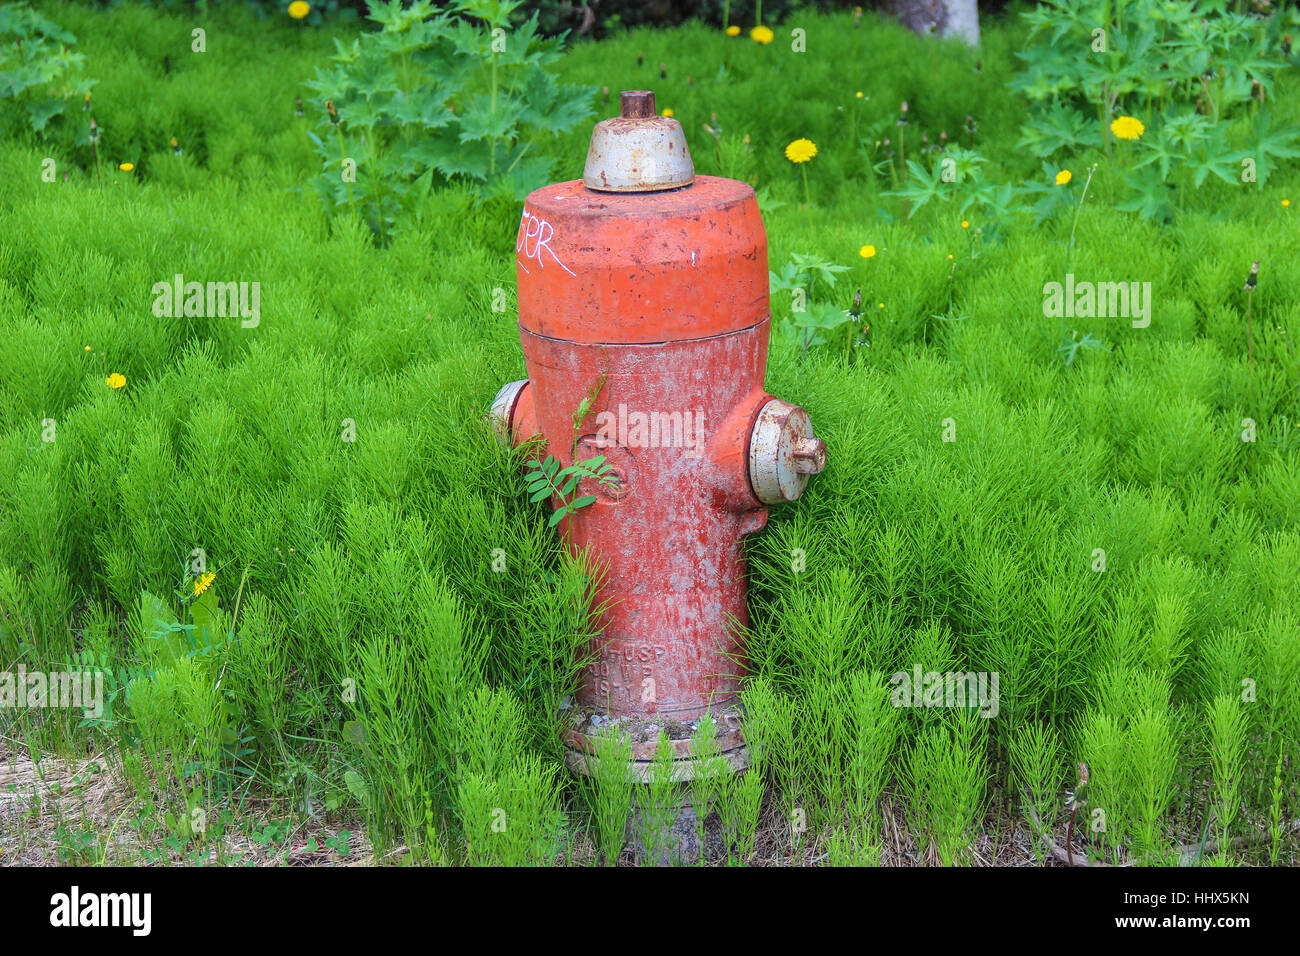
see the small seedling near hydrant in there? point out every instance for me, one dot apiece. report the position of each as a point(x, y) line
point(548, 479)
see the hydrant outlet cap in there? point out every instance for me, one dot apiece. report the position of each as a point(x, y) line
point(638, 151)
point(503, 407)
point(783, 452)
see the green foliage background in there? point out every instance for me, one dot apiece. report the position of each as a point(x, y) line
point(371, 561)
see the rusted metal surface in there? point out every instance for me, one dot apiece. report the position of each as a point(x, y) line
point(636, 104)
point(663, 297)
point(582, 726)
point(669, 535)
point(638, 151)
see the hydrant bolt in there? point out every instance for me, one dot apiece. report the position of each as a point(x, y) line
point(809, 456)
point(636, 104)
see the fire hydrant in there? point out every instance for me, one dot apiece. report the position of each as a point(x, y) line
point(647, 286)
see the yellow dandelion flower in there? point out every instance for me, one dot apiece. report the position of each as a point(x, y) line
point(965, 224)
point(950, 256)
point(87, 348)
point(800, 151)
point(761, 34)
point(859, 94)
point(299, 9)
point(116, 380)
point(204, 582)
point(126, 167)
point(733, 31)
point(1127, 127)
point(668, 111)
point(1285, 203)
point(880, 305)
point(867, 252)
point(1063, 177)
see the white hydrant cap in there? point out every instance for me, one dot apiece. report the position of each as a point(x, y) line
point(783, 452)
point(638, 151)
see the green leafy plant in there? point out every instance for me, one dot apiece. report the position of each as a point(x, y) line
point(875, 728)
point(738, 810)
point(39, 74)
point(1188, 72)
point(547, 478)
point(770, 733)
point(811, 283)
point(339, 843)
point(433, 97)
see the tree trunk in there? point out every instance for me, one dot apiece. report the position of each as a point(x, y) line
point(945, 18)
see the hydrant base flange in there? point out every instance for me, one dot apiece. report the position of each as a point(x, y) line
point(583, 725)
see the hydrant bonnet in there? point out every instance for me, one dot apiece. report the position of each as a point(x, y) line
point(638, 151)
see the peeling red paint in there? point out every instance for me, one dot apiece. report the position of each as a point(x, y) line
point(665, 296)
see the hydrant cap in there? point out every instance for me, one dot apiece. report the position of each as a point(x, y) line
point(638, 151)
point(783, 452)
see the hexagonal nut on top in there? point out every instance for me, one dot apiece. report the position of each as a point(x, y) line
point(783, 452)
point(638, 151)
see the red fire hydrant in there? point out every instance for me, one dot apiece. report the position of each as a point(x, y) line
point(651, 283)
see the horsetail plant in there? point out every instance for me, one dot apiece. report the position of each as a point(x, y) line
point(1036, 760)
point(1226, 728)
point(609, 792)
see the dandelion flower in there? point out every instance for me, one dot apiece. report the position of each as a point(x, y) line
point(204, 582)
point(1063, 177)
point(299, 9)
point(800, 151)
point(1127, 127)
point(880, 305)
point(1285, 203)
point(867, 252)
point(762, 34)
point(116, 380)
point(859, 94)
point(733, 31)
point(950, 256)
point(87, 348)
point(126, 167)
point(965, 224)
point(668, 111)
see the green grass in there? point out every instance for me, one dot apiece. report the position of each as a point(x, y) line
point(377, 649)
